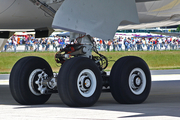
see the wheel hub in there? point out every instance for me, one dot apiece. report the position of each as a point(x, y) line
point(86, 83)
point(36, 80)
point(137, 81)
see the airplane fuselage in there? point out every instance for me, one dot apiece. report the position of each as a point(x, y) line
point(22, 14)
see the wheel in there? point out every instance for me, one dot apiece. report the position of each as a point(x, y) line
point(26, 80)
point(79, 82)
point(130, 80)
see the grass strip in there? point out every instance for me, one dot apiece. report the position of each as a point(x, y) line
point(156, 60)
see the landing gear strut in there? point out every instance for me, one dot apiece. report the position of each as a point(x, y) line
point(81, 77)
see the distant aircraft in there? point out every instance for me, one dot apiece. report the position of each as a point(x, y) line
point(82, 76)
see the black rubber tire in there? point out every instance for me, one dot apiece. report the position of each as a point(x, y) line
point(119, 76)
point(67, 82)
point(19, 78)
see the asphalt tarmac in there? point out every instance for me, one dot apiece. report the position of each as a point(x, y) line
point(162, 103)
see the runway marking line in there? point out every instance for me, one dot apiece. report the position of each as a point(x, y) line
point(153, 77)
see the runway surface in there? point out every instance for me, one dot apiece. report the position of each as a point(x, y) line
point(162, 103)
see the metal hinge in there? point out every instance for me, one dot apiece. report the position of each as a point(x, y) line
point(45, 7)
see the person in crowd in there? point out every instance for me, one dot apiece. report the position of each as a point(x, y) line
point(126, 44)
point(157, 44)
point(133, 45)
point(56, 44)
point(21, 41)
point(151, 44)
point(176, 44)
point(53, 43)
point(138, 45)
point(169, 42)
point(61, 44)
point(147, 42)
point(109, 43)
point(119, 42)
point(6, 45)
point(160, 43)
point(14, 44)
point(114, 44)
point(141, 44)
point(26, 44)
point(163, 41)
point(43, 43)
point(10, 43)
point(166, 45)
point(148, 45)
point(172, 44)
point(36, 43)
point(31, 42)
point(101, 44)
point(104, 45)
point(48, 42)
point(154, 44)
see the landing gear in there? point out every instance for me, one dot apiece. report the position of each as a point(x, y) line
point(130, 80)
point(27, 81)
point(81, 77)
point(79, 82)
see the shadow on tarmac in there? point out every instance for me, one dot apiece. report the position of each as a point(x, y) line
point(164, 100)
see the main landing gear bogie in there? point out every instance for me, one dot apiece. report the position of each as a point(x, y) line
point(81, 77)
point(79, 81)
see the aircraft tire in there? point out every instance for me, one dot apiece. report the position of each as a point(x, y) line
point(22, 80)
point(130, 80)
point(79, 82)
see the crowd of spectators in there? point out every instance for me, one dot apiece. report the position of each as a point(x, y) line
point(33, 44)
point(117, 44)
point(137, 44)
